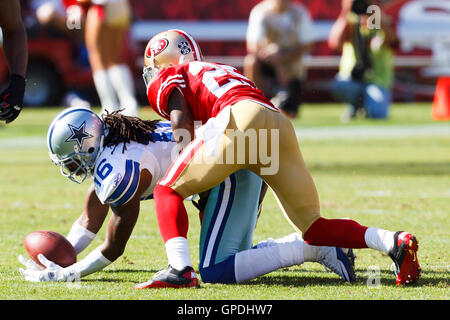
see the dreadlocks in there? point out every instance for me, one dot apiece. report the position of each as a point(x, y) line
point(123, 129)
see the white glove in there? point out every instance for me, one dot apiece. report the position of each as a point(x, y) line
point(51, 272)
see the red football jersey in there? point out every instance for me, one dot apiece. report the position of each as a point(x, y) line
point(207, 87)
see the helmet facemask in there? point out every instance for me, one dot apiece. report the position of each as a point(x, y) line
point(77, 166)
point(150, 70)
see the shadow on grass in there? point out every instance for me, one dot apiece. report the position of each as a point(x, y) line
point(383, 168)
point(113, 276)
point(300, 278)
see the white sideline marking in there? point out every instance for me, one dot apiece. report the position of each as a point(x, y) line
point(372, 132)
point(23, 142)
point(312, 133)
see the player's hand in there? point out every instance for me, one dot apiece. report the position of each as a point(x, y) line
point(30, 264)
point(52, 271)
point(11, 99)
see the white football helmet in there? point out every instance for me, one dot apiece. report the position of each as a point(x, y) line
point(75, 139)
point(169, 48)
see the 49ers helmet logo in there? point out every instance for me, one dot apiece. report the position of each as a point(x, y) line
point(157, 47)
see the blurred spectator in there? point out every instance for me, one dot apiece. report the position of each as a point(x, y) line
point(279, 34)
point(366, 70)
point(53, 15)
point(16, 53)
point(107, 24)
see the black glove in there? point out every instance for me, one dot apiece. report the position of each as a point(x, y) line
point(11, 99)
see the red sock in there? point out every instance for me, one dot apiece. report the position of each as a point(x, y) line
point(342, 233)
point(170, 213)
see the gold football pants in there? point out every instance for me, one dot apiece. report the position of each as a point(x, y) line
point(258, 139)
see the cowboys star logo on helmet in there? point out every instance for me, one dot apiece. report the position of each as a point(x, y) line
point(78, 134)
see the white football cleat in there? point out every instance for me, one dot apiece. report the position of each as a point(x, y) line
point(334, 259)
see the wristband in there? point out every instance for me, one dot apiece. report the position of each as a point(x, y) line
point(80, 237)
point(93, 262)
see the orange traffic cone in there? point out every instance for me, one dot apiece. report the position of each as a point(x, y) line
point(441, 102)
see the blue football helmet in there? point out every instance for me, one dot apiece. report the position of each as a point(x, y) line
point(75, 139)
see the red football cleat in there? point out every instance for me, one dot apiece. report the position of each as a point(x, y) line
point(406, 265)
point(171, 278)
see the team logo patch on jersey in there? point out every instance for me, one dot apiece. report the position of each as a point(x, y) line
point(117, 179)
point(157, 47)
point(184, 48)
point(78, 134)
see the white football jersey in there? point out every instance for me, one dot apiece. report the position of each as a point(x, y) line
point(117, 173)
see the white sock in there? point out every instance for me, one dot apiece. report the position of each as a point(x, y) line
point(80, 237)
point(177, 250)
point(105, 91)
point(281, 253)
point(310, 253)
point(93, 262)
point(379, 239)
point(122, 81)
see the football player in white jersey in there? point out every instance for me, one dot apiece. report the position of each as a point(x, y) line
point(126, 157)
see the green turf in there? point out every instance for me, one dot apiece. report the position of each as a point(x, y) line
point(392, 183)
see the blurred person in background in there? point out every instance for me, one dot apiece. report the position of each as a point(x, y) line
point(15, 49)
point(107, 23)
point(366, 70)
point(279, 33)
point(52, 14)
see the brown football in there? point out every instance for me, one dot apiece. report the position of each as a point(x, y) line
point(52, 245)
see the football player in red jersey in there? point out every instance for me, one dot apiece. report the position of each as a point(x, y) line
point(186, 90)
point(16, 53)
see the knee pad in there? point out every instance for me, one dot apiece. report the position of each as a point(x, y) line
point(222, 272)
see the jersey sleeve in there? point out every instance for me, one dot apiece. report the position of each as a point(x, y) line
point(116, 180)
point(161, 86)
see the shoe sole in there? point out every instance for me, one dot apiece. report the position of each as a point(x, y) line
point(161, 284)
point(346, 264)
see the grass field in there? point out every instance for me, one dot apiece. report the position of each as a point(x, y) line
point(390, 174)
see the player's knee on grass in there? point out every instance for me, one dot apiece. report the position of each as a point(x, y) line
point(222, 272)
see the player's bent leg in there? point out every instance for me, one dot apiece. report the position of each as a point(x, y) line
point(297, 195)
point(271, 255)
point(226, 255)
point(291, 182)
point(189, 174)
point(222, 272)
point(228, 223)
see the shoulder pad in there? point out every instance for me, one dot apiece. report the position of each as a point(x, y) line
point(116, 180)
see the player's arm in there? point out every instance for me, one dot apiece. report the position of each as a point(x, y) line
point(122, 221)
point(341, 30)
point(119, 230)
point(181, 119)
point(16, 54)
point(14, 36)
point(85, 228)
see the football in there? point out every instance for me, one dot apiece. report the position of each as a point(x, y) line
point(52, 245)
